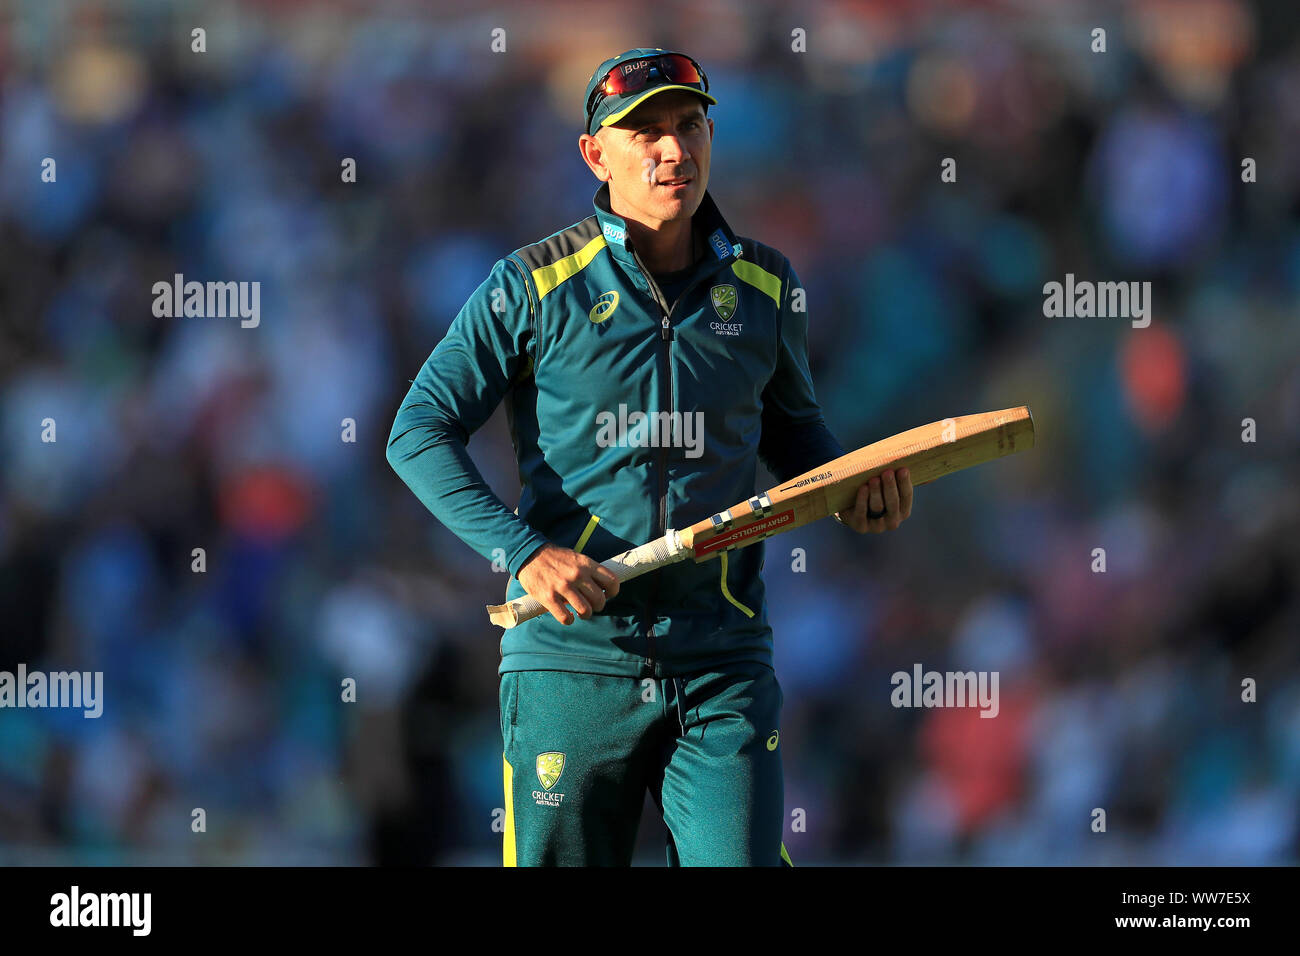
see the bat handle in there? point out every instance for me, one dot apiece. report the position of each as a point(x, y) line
point(630, 564)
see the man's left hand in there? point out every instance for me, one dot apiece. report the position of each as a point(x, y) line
point(887, 497)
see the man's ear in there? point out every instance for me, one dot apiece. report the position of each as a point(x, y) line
point(592, 150)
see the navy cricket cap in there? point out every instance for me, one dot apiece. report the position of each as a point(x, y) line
point(610, 108)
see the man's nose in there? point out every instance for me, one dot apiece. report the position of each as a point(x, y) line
point(672, 149)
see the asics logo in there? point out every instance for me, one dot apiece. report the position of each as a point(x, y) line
point(604, 307)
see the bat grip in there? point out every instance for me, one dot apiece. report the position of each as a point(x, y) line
point(630, 564)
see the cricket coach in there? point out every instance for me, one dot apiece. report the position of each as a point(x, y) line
point(609, 341)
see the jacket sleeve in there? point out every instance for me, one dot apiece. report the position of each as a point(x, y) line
point(794, 437)
point(459, 387)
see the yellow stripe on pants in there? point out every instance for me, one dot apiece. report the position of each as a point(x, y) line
point(509, 842)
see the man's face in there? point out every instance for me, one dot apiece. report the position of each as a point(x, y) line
point(666, 138)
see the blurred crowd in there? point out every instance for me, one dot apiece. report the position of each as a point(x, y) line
point(1121, 690)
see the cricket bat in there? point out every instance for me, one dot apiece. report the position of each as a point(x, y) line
point(928, 452)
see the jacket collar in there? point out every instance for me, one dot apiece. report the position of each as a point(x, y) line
point(722, 246)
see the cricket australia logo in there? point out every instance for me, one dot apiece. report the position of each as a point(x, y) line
point(549, 768)
point(723, 299)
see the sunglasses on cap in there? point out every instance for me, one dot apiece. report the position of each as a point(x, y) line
point(633, 76)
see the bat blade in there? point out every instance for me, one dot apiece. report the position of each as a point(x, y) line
point(928, 452)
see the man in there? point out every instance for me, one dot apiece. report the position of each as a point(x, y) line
point(649, 357)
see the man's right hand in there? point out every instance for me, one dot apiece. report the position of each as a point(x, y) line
point(555, 575)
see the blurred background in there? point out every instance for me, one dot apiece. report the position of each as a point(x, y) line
point(1119, 690)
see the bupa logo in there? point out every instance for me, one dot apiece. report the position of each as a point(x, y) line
point(615, 233)
point(721, 248)
point(604, 307)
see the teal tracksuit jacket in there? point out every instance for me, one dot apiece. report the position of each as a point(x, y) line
point(573, 334)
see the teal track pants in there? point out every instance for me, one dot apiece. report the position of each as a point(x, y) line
point(580, 751)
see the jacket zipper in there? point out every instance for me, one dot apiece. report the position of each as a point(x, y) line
point(665, 339)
